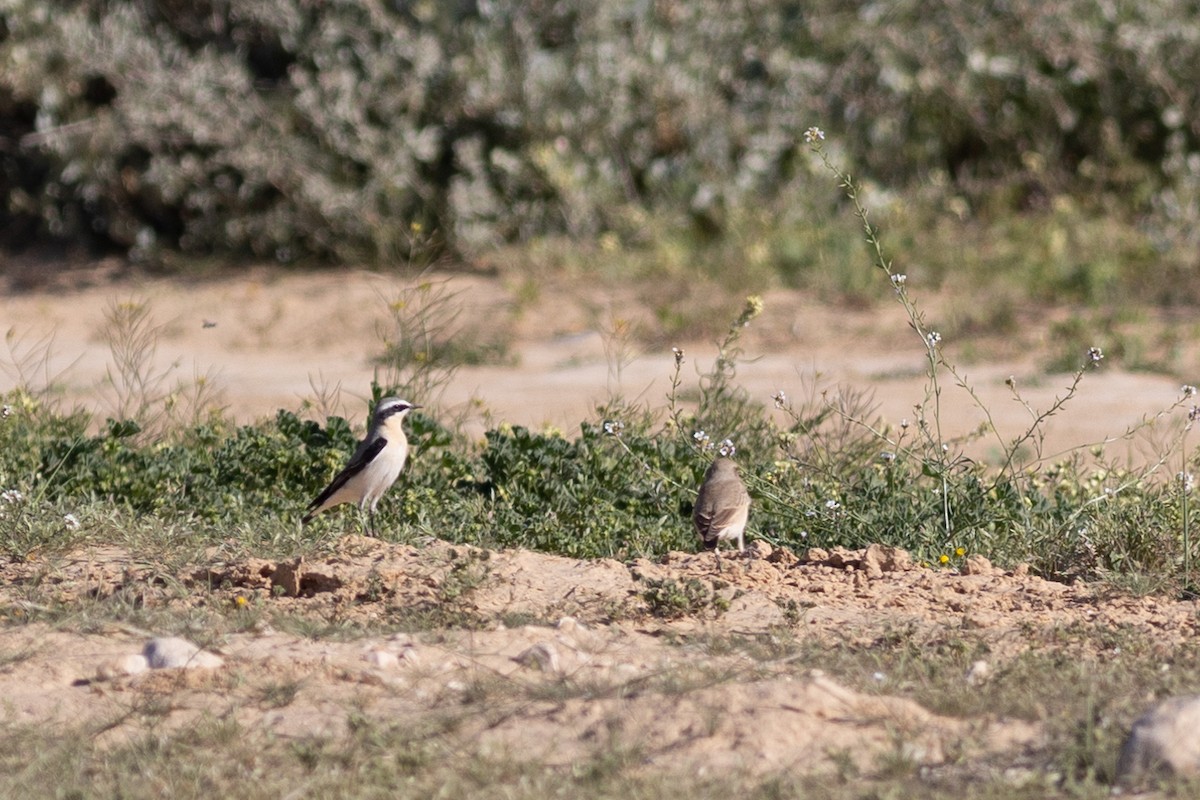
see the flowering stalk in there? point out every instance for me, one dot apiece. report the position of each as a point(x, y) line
point(1185, 486)
point(930, 339)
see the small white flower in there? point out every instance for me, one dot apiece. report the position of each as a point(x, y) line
point(11, 496)
point(727, 448)
point(678, 353)
point(1095, 356)
point(1187, 389)
point(1193, 413)
point(934, 338)
point(613, 427)
point(71, 522)
point(832, 505)
point(1186, 480)
point(904, 424)
point(6, 411)
point(814, 135)
point(887, 456)
point(700, 436)
point(898, 280)
point(780, 399)
point(879, 677)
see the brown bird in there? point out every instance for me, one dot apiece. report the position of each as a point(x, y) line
point(722, 507)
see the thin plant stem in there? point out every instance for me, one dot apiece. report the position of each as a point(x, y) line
point(929, 338)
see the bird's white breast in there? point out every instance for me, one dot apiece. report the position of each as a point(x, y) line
point(382, 472)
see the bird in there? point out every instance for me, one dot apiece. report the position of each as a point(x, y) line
point(722, 507)
point(374, 466)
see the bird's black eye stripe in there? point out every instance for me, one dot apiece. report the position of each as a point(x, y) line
point(396, 409)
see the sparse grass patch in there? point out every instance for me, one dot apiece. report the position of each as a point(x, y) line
point(279, 694)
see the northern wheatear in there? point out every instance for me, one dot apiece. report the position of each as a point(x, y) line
point(374, 466)
point(722, 507)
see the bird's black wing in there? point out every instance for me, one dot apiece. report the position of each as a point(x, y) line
point(365, 455)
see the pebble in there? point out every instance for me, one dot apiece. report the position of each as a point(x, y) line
point(390, 659)
point(542, 656)
point(384, 659)
point(979, 672)
point(171, 652)
point(978, 565)
point(131, 664)
point(1164, 740)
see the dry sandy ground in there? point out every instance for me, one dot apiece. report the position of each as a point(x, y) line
point(271, 340)
point(595, 659)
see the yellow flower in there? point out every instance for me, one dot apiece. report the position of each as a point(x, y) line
point(754, 307)
point(960, 552)
point(240, 601)
point(943, 559)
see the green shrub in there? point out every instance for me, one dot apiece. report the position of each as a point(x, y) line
point(287, 129)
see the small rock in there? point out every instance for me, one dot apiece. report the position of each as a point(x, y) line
point(568, 625)
point(287, 576)
point(131, 664)
point(758, 549)
point(816, 555)
point(1165, 740)
point(171, 652)
point(399, 649)
point(783, 557)
point(978, 565)
point(881, 558)
point(979, 672)
point(542, 656)
point(384, 659)
point(1020, 571)
point(841, 557)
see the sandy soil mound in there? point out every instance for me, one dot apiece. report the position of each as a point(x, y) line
point(554, 657)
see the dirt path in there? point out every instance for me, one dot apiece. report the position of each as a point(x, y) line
point(266, 339)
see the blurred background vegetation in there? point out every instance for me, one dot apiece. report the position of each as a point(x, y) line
point(304, 131)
